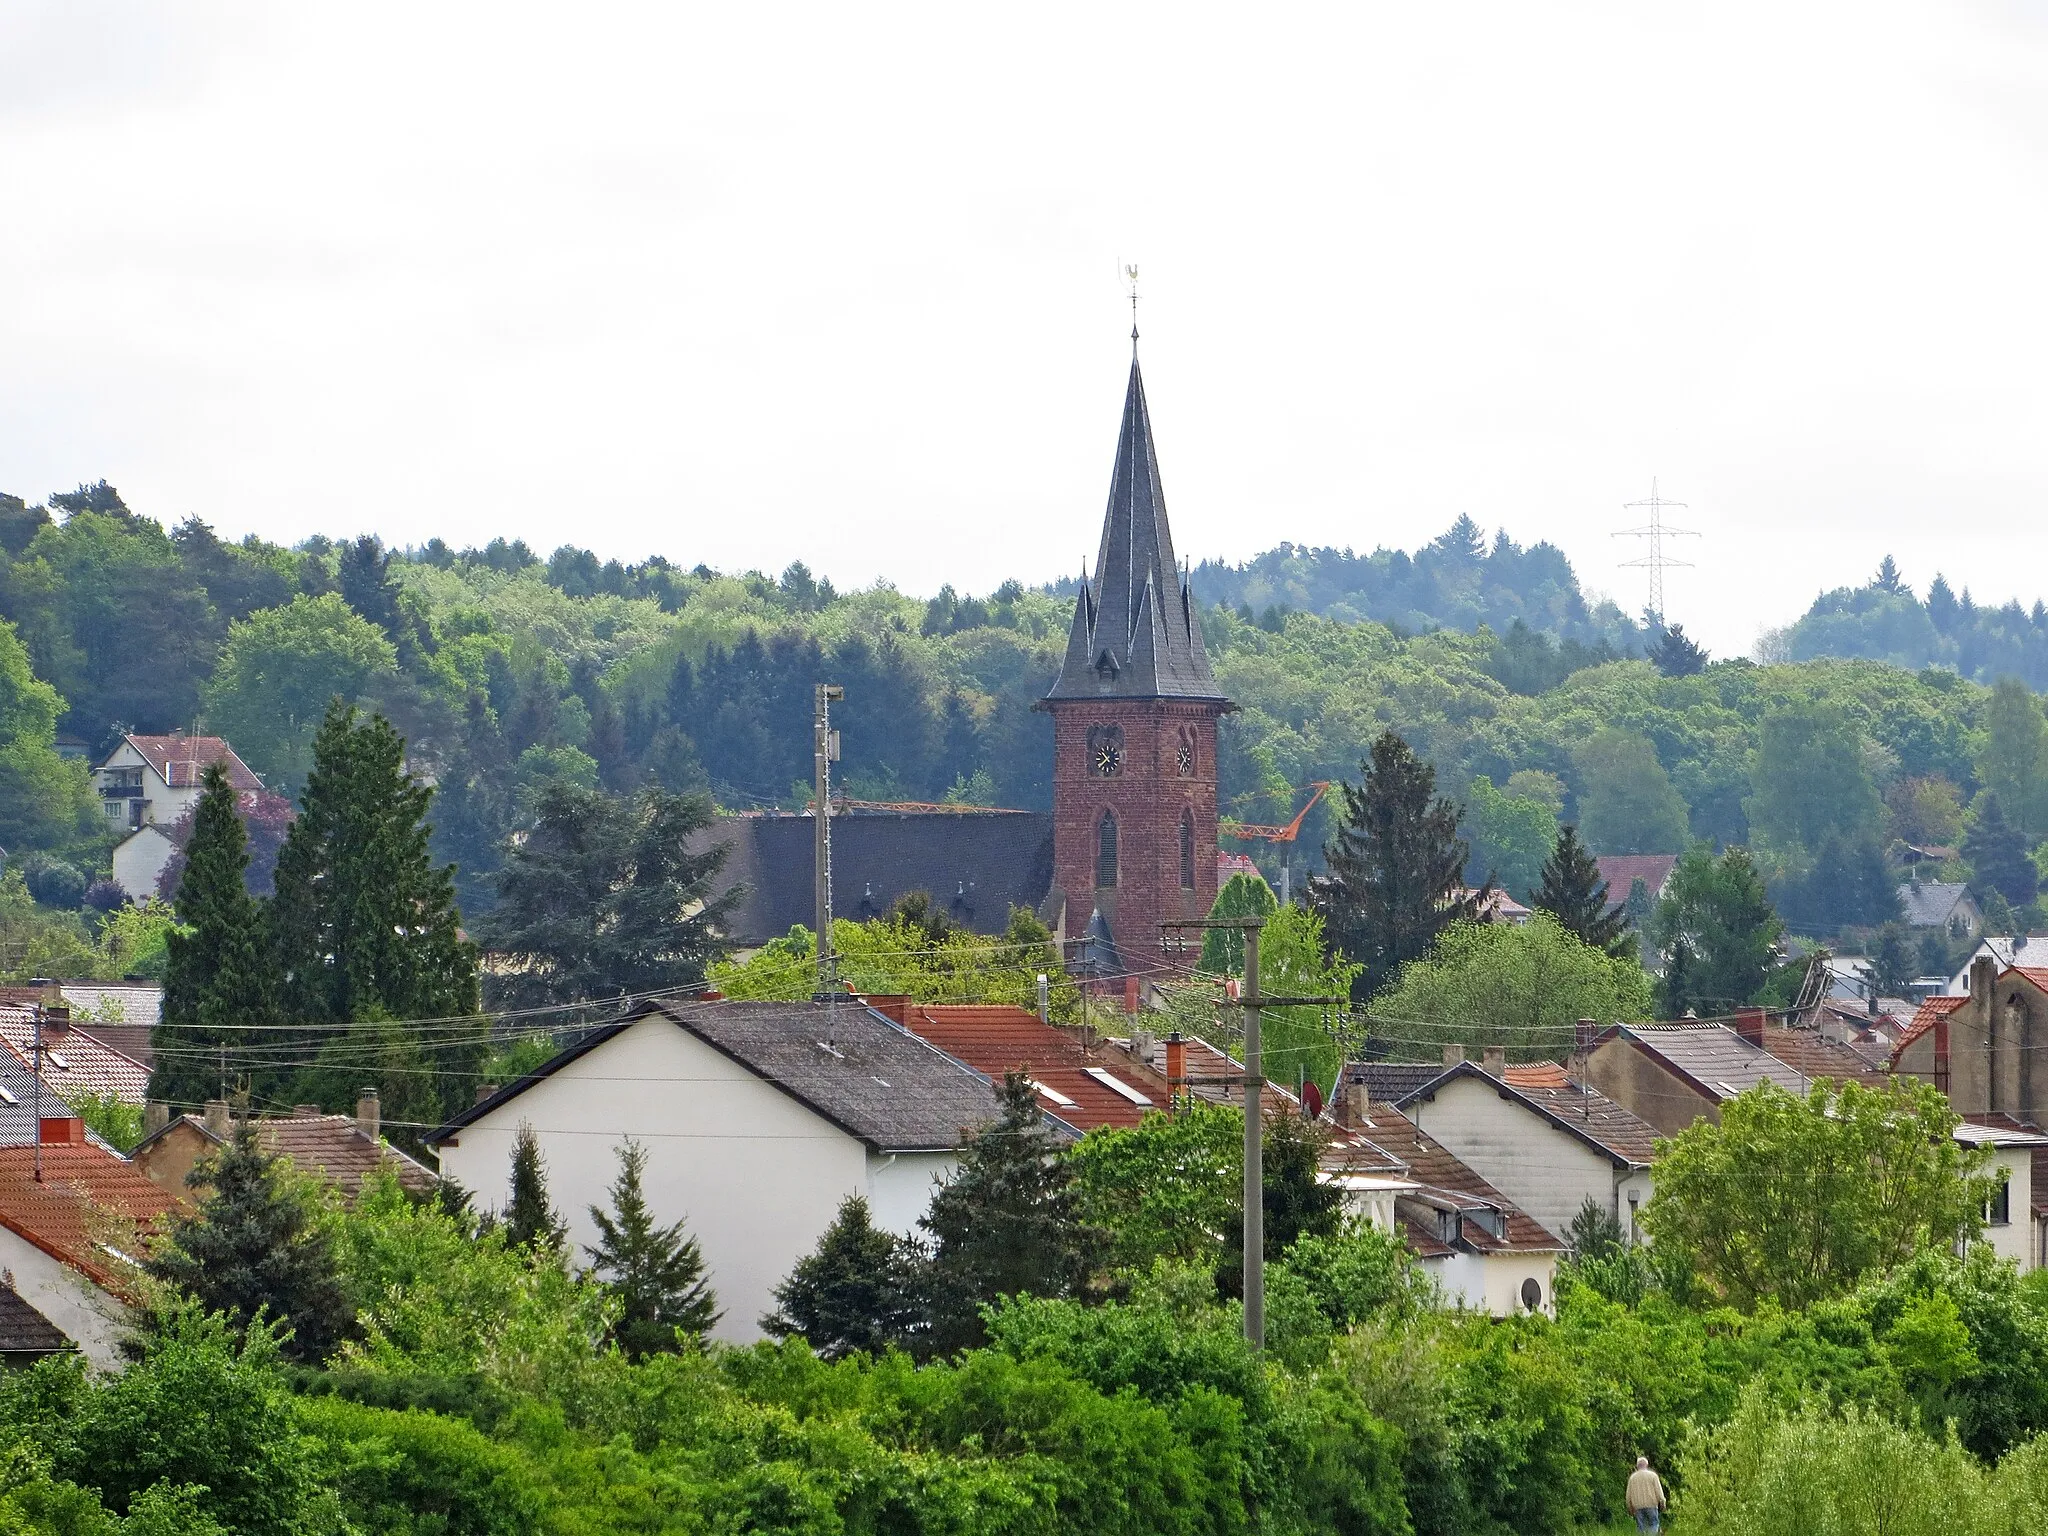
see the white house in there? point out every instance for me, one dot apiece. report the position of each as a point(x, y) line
point(758, 1120)
point(1548, 1144)
point(156, 779)
point(140, 859)
point(2015, 1225)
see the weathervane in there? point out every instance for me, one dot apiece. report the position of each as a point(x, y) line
point(1132, 274)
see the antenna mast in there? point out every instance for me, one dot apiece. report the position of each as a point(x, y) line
point(1656, 530)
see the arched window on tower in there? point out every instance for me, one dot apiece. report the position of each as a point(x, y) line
point(1187, 851)
point(1105, 850)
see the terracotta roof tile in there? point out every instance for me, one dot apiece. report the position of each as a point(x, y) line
point(180, 760)
point(81, 1185)
point(1924, 1019)
point(329, 1147)
point(1817, 1057)
point(73, 1060)
point(1442, 1175)
point(1537, 1074)
point(996, 1039)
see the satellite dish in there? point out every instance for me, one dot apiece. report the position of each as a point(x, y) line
point(1312, 1100)
point(1532, 1293)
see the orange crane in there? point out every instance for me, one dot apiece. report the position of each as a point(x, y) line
point(1284, 836)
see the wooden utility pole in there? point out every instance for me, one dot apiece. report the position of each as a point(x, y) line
point(825, 750)
point(1254, 1144)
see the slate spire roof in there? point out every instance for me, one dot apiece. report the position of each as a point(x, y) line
point(1135, 634)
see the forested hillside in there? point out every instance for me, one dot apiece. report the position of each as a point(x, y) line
point(1886, 621)
point(507, 672)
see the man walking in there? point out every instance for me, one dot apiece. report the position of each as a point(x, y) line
point(1646, 1498)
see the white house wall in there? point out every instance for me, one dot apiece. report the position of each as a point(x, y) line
point(1547, 1172)
point(900, 1187)
point(756, 1175)
point(86, 1315)
point(2014, 1239)
point(140, 858)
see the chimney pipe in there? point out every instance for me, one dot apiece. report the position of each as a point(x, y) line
point(1494, 1060)
point(156, 1114)
point(215, 1118)
point(369, 1115)
point(1749, 1024)
point(1453, 1054)
point(1176, 1067)
point(1983, 978)
point(56, 1020)
point(1130, 994)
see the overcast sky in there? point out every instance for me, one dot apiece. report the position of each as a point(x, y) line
point(745, 284)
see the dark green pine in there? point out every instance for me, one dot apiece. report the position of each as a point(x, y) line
point(1572, 891)
point(656, 1273)
point(854, 1294)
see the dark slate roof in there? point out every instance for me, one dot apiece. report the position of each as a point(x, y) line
point(870, 1077)
point(1135, 635)
point(24, 1330)
point(1389, 1082)
point(1928, 903)
point(975, 863)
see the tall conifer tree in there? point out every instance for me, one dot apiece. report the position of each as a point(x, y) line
point(1573, 892)
point(220, 975)
point(530, 1219)
point(656, 1272)
point(1396, 869)
point(854, 1294)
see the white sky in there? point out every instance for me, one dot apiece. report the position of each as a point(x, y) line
point(745, 284)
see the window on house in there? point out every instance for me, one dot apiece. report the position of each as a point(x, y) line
point(1998, 1209)
point(1187, 852)
point(1105, 850)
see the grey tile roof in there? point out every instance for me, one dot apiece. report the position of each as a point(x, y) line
point(976, 865)
point(1576, 1108)
point(1716, 1056)
point(1389, 1082)
point(1135, 634)
point(872, 1078)
point(1928, 903)
point(24, 1330)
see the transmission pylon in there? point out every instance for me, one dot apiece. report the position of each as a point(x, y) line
point(1656, 530)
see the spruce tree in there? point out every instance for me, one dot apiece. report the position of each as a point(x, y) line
point(1572, 891)
point(1006, 1225)
point(1997, 855)
point(1395, 868)
point(365, 924)
point(855, 1294)
point(219, 975)
point(529, 1218)
point(656, 1273)
point(1675, 655)
point(257, 1248)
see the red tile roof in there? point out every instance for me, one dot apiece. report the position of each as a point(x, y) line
point(74, 1061)
point(996, 1039)
point(180, 760)
point(1622, 870)
point(1536, 1074)
point(77, 1213)
point(329, 1147)
point(1445, 1179)
point(1932, 1009)
point(1808, 1053)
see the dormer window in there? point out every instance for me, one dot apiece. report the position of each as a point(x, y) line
point(1106, 667)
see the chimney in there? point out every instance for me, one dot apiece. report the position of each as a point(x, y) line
point(892, 1006)
point(305, 1111)
point(61, 1131)
point(1749, 1023)
point(1494, 1059)
point(1142, 1041)
point(369, 1116)
point(215, 1118)
point(1453, 1054)
point(156, 1114)
point(56, 1022)
point(1583, 1033)
point(484, 1091)
point(1983, 978)
point(1176, 1066)
point(1130, 994)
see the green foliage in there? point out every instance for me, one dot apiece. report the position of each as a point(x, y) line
point(1793, 1201)
point(421, 1474)
point(1395, 867)
point(1571, 890)
point(278, 674)
point(2012, 763)
point(856, 1293)
point(45, 802)
point(1809, 778)
point(1297, 1044)
point(256, 1251)
point(1240, 896)
point(218, 976)
point(1511, 837)
point(1170, 1187)
point(1007, 1223)
point(654, 1273)
point(1717, 932)
point(530, 1219)
point(108, 1116)
point(1522, 986)
point(1997, 855)
point(604, 898)
point(1628, 803)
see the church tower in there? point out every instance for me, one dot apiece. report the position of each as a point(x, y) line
point(1134, 724)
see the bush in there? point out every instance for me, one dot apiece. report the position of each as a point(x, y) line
point(53, 882)
point(104, 896)
point(418, 1474)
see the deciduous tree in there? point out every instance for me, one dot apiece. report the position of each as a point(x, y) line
point(1626, 802)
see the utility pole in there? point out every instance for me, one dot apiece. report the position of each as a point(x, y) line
point(1656, 530)
point(1254, 1144)
point(825, 751)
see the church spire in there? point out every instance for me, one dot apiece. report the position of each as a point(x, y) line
point(1135, 634)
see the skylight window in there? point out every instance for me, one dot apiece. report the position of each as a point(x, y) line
point(6, 1097)
point(1058, 1098)
point(1118, 1086)
point(57, 1061)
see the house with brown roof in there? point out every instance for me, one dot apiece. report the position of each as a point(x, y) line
point(1086, 1086)
point(1547, 1143)
point(1673, 1074)
point(341, 1150)
point(1482, 1249)
point(1621, 871)
point(1985, 1049)
point(148, 782)
point(75, 1062)
point(69, 1240)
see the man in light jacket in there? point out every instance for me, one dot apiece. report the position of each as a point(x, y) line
point(1646, 1498)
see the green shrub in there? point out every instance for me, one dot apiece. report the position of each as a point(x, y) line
point(408, 1473)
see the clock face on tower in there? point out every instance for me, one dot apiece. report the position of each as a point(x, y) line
point(1105, 750)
